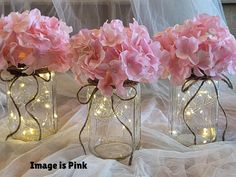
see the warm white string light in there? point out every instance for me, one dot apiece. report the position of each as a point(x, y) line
point(42, 104)
point(197, 114)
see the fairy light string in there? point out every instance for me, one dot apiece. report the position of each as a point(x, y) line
point(89, 101)
point(18, 73)
point(192, 80)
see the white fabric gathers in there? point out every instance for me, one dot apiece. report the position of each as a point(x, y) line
point(159, 156)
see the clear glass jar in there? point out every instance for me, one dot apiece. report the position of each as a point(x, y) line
point(199, 123)
point(114, 124)
point(31, 107)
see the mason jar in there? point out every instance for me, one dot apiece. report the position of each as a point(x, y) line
point(194, 114)
point(31, 104)
point(114, 123)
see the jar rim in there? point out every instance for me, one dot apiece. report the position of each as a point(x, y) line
point(126, 82)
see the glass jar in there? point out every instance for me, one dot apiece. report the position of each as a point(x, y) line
point(31, 106)
point(114, 123)
point(196, 123)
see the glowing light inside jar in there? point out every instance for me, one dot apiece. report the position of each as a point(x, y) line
point(46, 76)
point(41, 107)
point(200, 114)
point(208, 133)
point(22, 85)
point(203, 92)
point(30, 131)
point(205, 133)
point(11, 114)
point(174, 132)
point(24, 132)
point(188, 113)
point(47, 105)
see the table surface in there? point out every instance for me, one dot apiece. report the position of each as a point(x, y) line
point(159, 156)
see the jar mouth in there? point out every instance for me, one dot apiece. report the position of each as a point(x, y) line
point(126, 83)
point(20, 71)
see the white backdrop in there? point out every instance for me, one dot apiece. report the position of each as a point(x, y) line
point(160, 155)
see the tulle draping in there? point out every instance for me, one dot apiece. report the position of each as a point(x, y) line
point(160, 155)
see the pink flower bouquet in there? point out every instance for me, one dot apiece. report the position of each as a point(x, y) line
point(114, 53)
point(199, 52)
point(201, 46)
point(34, 41)
point(31, 47)
point(112, 60)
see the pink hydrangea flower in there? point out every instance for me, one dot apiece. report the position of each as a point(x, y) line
point(112, 34)
point(199, 46)
point(34, 40)
point(114, 54)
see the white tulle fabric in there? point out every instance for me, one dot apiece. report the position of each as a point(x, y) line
point(155, 14)
point(159, 15)
point(159, 156)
